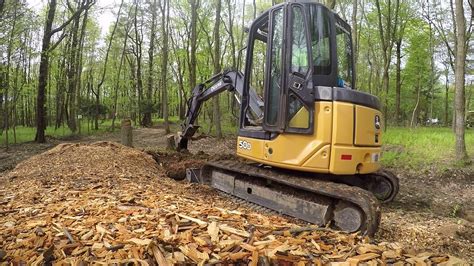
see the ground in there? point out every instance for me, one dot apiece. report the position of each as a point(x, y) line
point(433, 210)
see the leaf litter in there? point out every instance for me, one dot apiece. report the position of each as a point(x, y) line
point(105, 203)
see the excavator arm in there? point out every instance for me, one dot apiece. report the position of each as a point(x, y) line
point(228, 80)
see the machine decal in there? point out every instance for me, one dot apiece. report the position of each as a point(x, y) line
point(377, 122)
point(375, 157)
point(245, 145)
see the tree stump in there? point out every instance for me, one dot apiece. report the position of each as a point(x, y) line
point(170, 142)
point(126, 134)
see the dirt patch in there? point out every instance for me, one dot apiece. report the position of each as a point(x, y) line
point(176, 163)
point(17, 153)
point(433, 211)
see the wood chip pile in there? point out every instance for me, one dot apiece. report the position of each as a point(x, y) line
point(108, 204)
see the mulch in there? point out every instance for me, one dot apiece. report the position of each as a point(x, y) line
point(105, 203)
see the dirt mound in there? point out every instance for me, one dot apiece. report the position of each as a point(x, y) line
point(175, 163)
point(99, 159)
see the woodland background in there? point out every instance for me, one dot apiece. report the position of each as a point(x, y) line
point(58, 74)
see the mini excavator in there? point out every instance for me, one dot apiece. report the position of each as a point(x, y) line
point(312, 143)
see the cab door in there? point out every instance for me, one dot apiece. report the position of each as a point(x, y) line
point(275, 71)
point(299, 109)
point(289, 105)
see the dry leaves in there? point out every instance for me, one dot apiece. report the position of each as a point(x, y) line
point(109, 204)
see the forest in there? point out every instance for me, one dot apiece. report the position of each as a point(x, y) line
point(59, 69)
point(344, 133)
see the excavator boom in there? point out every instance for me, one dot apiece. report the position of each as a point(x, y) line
point(229, 80)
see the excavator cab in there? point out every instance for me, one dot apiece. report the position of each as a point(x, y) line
point(311, 140)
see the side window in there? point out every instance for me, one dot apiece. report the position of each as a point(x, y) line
point(257, 74)
point(299, 46)
point(274, 85)
point(320, 40)
point(344, 58)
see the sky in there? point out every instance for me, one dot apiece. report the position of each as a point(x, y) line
point(105, 7)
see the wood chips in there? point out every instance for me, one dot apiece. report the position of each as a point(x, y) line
point(104, 203)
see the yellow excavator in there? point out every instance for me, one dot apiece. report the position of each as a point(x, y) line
point(312, 143)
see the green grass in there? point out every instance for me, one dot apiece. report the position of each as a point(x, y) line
point(418, 148)
point(27, 134)
point(422, 147)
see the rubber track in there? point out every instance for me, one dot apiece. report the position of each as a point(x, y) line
point(365, 200)
point(250, 205)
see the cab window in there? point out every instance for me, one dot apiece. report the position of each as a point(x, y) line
point(320, 40)
point(344, 57)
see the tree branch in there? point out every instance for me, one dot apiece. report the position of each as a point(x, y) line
point(54, 45)
point(88, 4)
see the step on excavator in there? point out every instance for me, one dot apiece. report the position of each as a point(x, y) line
point(312, 143)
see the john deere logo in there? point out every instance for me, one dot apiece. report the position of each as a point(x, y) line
point(377, 122)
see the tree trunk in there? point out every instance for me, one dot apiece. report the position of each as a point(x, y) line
point(355, 41)
point(147, 121)
point(193, 42)
point(179, 73)
point(217, 68)
point(72, 74)
point(137, 51)
point(79, 64)
point(398, 80)
point(386, 32)
point(415, 109)
point(165, 9)
point(242, 34)
point(117, 81)
point(230, 31)
point(446, 99)
point(254, 9)
point(459, 101)
point(7, 75)
point(43, 75)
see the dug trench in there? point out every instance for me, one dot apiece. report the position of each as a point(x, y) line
point(93, 207)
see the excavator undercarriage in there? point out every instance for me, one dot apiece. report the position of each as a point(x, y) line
point(323, 200)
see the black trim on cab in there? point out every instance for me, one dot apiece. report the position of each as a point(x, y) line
point(337, 94)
